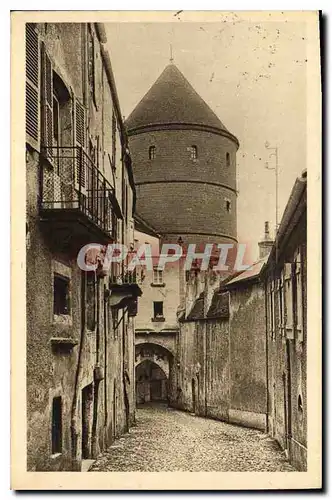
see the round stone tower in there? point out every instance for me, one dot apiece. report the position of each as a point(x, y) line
point(184, 163)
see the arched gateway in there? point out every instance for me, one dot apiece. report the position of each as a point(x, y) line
point(154, 373)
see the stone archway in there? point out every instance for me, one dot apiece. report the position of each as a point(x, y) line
point(154, 373)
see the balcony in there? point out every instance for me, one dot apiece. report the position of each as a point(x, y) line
point(76, 201)
point(124, 286)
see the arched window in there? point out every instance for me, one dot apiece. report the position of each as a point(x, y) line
point(228, 159)
point(193, 152)
point(152, 152)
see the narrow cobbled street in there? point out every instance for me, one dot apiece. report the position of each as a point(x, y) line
point(169, 440)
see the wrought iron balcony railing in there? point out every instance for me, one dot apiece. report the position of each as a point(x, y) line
point(70, 181)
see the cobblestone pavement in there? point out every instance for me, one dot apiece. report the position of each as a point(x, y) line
point(170, 440)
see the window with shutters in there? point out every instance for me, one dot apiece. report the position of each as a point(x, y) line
point(81, 173)
point(47, 105)
point(32, 86)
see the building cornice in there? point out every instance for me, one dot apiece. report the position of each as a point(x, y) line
point(156, 127)
point(218, 235)
point(188, 181)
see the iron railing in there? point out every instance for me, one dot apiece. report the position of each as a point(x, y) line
point(121, 275)
point(70, 180)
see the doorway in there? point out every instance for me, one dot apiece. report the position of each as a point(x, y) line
point(151, 383)
point(193, 394)
point(87, 411)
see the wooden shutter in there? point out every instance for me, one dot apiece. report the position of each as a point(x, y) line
point(32, 86)
point(47, 104)
point(94, 72)
point(80, 142)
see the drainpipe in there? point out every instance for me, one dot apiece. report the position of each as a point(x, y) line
point(74, 428)
point(105, 359)
point(96, 382)
point(204, 322)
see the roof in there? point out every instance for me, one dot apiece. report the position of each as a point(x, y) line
point(170, 100)
point(250, 273)
point(296, 207)
point(143, 226)
point(197, 311)
point(219, 307)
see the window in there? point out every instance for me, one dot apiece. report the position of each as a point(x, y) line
point(57, 425)
point(56, 132)
point(56, 121)
point(157, 276)
point(228, 205)
point(193, 152)
point(228, 160)
point(152, 152)
point(91, 301)
point(61, 295)
point(298, 290)
point(158, 310)
point(289, 301)
point(281, 305)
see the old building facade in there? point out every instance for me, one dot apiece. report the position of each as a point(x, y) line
point(221, 347)
point(286, 319)
point(79, 190)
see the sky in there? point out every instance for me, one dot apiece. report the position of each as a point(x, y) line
point(253, 76)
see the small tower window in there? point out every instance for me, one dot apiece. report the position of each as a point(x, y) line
point(193, 152)
point(228, 160)
point(152, 152)
point(228, 205)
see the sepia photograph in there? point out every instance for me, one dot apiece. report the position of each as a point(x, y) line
point(160, 175)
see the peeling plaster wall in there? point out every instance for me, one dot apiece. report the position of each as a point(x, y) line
point(248, 350)
point(51, 373)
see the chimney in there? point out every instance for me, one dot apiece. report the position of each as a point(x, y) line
point(267, 243)
point(267, 230)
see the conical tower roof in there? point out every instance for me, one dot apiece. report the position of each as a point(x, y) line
point(172, 99)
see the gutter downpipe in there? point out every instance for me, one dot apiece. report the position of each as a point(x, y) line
point(74, 422)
